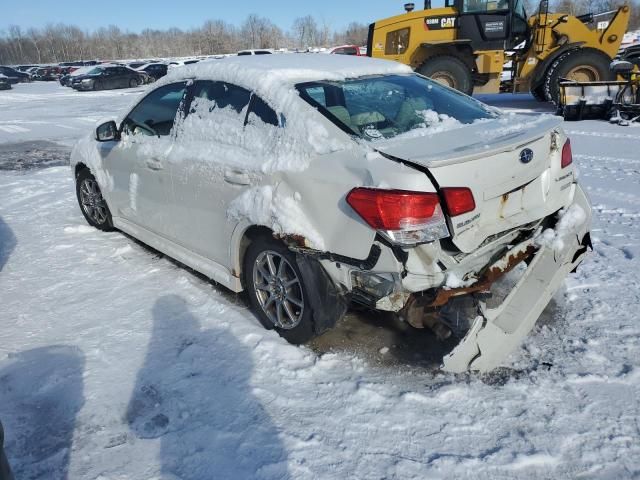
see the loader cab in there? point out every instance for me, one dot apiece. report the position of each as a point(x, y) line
point(492, 24)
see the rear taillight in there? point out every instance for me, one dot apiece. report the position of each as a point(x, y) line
point(405, 218)
point(459, 200)
point(567, 155)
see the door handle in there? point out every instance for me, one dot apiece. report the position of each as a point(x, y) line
point(237, 177)
point(154, 164)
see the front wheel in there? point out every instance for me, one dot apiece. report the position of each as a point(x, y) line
point(580, 65)
point(276, 289)
point(92, 204)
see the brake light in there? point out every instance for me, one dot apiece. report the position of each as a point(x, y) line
point(406, 218)
point(459, 200)
point(567, 155)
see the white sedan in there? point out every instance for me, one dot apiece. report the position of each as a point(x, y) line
point(313, 182)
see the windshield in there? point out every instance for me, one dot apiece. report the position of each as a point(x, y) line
point(94, 71)
point(391, 105)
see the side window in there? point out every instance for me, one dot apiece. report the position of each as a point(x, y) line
point(260, 110)
point(156, 113)
point(221, 95)
point(397, 42)
point(317, 94)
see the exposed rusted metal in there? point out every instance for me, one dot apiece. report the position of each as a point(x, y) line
point(488, 278)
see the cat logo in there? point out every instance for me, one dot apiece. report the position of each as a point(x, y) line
point(439, 23)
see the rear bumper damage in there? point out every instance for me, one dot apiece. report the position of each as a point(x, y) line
point(383, 282)
point(498, 331)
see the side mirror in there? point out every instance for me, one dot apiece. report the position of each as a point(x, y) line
point(107, 132)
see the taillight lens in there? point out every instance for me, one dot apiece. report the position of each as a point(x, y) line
point(406, 218)
point(567, 155)
point(459, 200)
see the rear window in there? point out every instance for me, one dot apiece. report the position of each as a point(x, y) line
point(386, 106)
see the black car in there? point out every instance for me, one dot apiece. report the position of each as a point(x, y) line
point(154, 70)
point(4, 83)
point(14, 75)
point(107, 78)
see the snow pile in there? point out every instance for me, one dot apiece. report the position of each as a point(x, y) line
point(570, 220)
point(283, 214)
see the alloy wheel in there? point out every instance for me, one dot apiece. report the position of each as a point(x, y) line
point(278, 290)
point(92, 202)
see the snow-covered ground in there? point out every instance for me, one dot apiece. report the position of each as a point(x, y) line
point(117, 363)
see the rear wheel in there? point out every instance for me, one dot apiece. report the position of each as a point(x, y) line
point(276, 290)
point(450, 71)
point(133, 83)
point(93, 205)
point(581, 65)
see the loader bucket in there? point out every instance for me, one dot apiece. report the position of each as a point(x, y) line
point(588, 100)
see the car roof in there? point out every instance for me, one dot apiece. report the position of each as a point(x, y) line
point(289, 69)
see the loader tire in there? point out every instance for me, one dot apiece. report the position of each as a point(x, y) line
point(449, 71)
point(538, 93)
point(583, 65)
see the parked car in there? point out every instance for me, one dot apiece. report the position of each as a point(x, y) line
point(135, 65)
point(258, 51)
point(106, 78)
point(182, 63)
point(155, 70)
point(14, 75)
point(4, 83)
point(46, 74)
point(353, 50)
point(65, 80)
point(313, 182)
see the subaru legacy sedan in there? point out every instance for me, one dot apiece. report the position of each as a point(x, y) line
point(313, 182)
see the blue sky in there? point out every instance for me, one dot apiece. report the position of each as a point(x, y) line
point(136, 15)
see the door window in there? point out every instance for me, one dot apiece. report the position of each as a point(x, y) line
point(156, 113)
point(259, 111)
point(220, 95)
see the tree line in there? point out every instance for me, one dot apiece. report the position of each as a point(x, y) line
point(60, 42)
point(63, 43)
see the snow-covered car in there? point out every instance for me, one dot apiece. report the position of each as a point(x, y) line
point(353, 50)
point(4, 83)
point(315, 182)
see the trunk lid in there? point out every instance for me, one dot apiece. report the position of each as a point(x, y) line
point(509, 191)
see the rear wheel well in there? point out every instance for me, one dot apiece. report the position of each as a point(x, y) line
point(249, 235)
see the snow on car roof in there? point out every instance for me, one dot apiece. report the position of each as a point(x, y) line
point(273, 76)
point(291, 69)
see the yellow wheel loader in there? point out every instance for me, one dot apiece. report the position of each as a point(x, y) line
point(467, 43)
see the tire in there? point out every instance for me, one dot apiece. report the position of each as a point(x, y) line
point(97, 85)
point(538, 93)
point(450, 71)
point(92, 205)
point(133, 83)
point(297, 324)
point(584, 64)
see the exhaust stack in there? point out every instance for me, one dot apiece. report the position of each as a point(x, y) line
point(427, 4)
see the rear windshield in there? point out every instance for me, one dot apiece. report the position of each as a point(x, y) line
point(386, 106)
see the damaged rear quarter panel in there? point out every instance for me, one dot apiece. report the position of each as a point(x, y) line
point(322, 189)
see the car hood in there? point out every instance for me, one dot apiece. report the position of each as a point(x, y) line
point(435, 147)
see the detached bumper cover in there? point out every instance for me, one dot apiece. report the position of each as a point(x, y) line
point(497, 332)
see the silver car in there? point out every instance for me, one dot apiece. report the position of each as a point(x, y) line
point(313, 182)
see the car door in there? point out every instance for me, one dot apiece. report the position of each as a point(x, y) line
point(206, 181)
point(137, 164)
